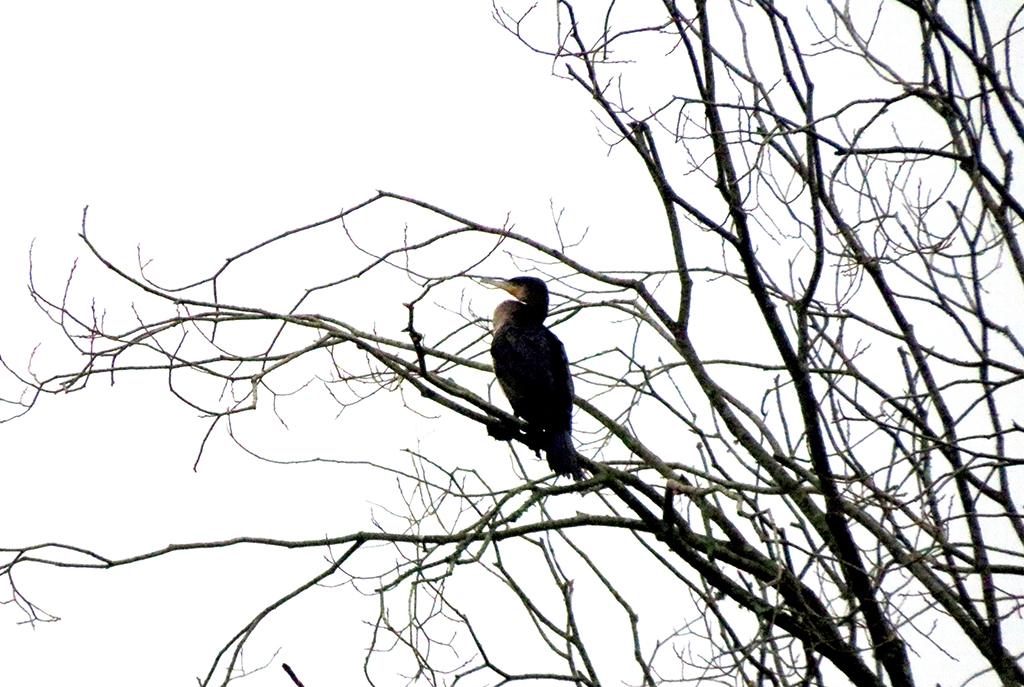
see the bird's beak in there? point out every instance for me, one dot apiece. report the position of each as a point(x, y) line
point(503, 284)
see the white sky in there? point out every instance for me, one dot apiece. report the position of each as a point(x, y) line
point(195, 131)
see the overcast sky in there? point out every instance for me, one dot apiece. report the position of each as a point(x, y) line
point(194, 130)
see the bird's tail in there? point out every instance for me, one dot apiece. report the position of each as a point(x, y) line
point(562, 455)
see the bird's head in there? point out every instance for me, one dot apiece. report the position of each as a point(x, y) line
point(529, 290)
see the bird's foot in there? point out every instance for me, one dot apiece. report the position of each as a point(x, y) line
point(501, 432)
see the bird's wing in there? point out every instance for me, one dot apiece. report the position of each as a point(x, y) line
point(561, 379)
point(522, 364)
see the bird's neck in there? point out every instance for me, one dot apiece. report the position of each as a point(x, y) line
point(535, 312)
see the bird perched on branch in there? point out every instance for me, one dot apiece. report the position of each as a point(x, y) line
point(533, 371)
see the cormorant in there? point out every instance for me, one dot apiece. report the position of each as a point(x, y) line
point(533, 371)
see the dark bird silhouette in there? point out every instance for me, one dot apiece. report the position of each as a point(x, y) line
point(533, 371)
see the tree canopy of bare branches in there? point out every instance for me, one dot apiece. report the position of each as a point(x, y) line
point(798, 376)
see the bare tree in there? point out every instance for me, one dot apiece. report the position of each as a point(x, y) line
point(801, 414)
